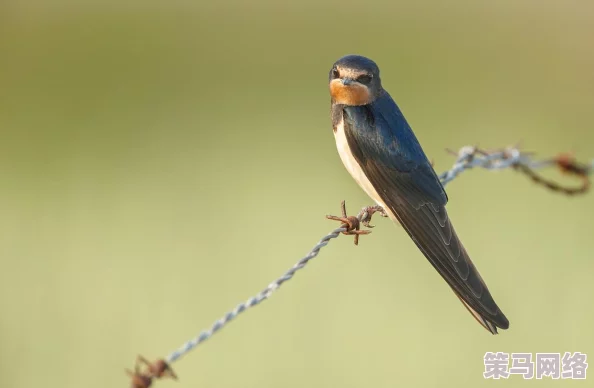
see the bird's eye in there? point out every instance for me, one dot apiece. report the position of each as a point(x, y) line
point(335, 73)
point(364, 79)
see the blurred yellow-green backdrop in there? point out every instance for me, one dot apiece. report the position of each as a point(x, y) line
point(161, 161)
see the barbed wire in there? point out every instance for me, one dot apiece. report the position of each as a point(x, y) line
point(470, 157)
point(467, 158)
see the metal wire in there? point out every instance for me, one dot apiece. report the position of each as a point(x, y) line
point(255, 300)
point(467, 158)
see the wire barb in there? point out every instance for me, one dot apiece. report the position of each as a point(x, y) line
point(468, 157)
point(153, 370)
point(568, 165)
point(351, 224)
point(511, 157)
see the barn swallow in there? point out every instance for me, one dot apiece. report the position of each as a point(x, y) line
point(379, 149)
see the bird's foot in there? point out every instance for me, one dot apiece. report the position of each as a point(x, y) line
point(352, 224)
point(368, 212)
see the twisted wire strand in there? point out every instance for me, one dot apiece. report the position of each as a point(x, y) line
point(255, 300)
point(467, 158)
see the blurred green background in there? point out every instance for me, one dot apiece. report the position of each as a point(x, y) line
point(161, 161)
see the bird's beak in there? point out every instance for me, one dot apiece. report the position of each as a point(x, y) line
point(347, 81)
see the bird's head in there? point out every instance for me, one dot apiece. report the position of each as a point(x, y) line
point(354, 80)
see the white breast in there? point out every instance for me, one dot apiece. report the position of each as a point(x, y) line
point(353, 166)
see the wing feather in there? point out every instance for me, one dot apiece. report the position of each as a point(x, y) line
point(389, 154)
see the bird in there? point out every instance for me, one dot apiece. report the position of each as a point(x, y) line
point(379, 149)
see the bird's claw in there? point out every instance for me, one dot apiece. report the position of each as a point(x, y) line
point(351, 224)
point(368, 212)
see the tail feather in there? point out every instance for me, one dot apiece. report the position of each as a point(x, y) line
point(479, 318)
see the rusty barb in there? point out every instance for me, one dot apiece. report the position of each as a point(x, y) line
point(352, 224)
point(466, 158)
point(512, 157)
point(568, 165)
point(153, 370)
